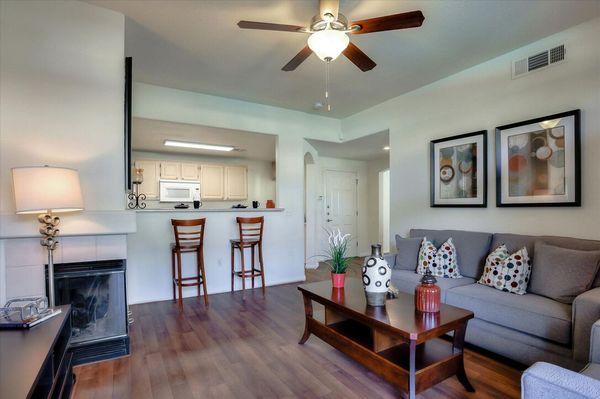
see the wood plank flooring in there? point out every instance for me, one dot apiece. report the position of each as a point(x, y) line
point(245, 346)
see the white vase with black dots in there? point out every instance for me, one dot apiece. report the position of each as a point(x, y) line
point(376, 274)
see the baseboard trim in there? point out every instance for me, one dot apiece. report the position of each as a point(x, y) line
point(298, 279)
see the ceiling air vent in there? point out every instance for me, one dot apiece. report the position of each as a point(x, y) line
point(538, 61)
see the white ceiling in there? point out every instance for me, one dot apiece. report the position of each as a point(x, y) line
point(196, 45)
point(150, 135)
point(365, 148)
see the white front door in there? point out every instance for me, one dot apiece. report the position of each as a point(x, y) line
point(341, 206)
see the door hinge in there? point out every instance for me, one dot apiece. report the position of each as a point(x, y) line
point(357, 182)
point(356, 213)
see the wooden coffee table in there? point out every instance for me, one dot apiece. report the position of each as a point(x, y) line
point(395, 342)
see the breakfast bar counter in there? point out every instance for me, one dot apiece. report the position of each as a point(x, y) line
point(202, 210)
point(149, 252)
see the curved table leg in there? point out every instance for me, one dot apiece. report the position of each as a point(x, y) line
point(308, 312)
point(459, 342)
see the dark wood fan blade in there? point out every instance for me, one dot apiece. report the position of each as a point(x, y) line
point(358, 58)
point(297, 60)
point(329, 7)
point(405, 20)
point(269, 26)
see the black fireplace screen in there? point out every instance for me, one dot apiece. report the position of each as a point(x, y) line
point(96, 292)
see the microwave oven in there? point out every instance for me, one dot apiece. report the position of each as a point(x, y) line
point(178, 190)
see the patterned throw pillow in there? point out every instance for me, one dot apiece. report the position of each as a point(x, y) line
point(441, 261)
point(505, 272)
point(492, 275)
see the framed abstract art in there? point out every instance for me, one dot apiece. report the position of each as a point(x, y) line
point(459, 170)
point(538, 162)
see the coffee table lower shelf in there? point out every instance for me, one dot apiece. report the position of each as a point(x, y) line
point(435, 360)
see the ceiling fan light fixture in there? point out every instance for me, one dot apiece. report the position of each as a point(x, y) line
point(328, 44)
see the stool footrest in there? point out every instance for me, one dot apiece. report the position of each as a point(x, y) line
point(198, 281)
point(248, 273)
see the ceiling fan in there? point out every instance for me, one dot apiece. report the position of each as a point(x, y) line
point(329, 33)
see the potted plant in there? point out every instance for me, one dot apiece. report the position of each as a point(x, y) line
point(337, 259)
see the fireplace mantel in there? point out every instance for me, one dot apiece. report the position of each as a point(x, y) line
point(84, 223)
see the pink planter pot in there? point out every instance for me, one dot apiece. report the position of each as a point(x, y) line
point(338, 280)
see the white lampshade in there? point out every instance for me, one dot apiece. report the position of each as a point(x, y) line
point(328, 43)
point(43, 188)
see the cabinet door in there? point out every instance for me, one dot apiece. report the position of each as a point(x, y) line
point(236, 181)
point(211, 182)
point(169, 170)
point(189, 171)
point(151, 172)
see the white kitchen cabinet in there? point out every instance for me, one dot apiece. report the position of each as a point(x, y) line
point(151, 172)
point(236, 183)
point(170, 170)
point(189, 171)
point(212, 185)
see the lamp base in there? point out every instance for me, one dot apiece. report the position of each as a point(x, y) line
point(49, 231)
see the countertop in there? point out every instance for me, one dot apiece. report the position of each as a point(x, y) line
point(201, 210)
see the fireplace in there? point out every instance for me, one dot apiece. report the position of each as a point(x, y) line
point(97, 295)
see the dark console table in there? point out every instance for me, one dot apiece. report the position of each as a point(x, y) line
point(36, 363)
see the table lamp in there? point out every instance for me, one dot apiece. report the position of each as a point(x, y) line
point(46, 190)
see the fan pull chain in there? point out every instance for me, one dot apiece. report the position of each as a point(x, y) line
point(327, 86)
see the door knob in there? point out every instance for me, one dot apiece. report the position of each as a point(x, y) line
point(330, 220)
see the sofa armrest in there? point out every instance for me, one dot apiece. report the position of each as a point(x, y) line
point(586, 310)
point(546, 381)
point(390, 259)
point(595, 343)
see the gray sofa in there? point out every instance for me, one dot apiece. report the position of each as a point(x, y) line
point(548, 381)
point(526, 328)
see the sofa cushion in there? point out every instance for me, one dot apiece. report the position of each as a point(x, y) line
point(562, 274)
point(515, 241)
point(529, 313)
point(471, 247)
point(407, 281)
point(408, 251)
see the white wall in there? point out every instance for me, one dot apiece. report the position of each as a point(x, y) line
point(384, 210)
point(61, 72)
point(61, 103)
point(261, 182)
point(484, 97)
point(373, 190)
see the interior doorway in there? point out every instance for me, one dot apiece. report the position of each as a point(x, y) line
point(310, 219)
point(341, 204)
point(384, 210)
point(356, 162)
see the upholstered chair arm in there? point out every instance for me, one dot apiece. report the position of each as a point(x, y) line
point(595, 343)
point(390, 259)
point(545, 380)
point(586, 311)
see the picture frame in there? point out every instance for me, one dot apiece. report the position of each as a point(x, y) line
point(538, 162)
point(458, 171)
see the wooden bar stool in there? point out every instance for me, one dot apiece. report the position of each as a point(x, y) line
point(189, 237)
point(251, 234)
